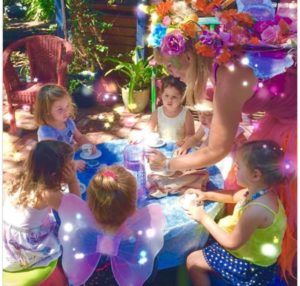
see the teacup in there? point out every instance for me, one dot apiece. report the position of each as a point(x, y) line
point(153, 138)
point(87, 150)
point(189, 201)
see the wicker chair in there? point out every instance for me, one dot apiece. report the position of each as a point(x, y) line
point(48, 58)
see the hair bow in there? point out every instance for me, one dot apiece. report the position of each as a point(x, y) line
point(132, 249)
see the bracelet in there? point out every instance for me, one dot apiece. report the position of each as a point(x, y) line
point(166, 165)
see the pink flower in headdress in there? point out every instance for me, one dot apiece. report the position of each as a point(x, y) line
point(166, 21)
point(173, 44)
point(270, 35)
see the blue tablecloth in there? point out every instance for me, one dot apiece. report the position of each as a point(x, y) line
point(182, 234)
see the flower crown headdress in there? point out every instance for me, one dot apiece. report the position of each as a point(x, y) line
point(174, 23)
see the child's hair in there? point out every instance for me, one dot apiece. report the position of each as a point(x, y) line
point(267, 157)
point(112, 196)
point(42, 170)
point(174, 82)
point(46, 96)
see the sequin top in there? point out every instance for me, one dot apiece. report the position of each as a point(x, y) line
point(264, 246)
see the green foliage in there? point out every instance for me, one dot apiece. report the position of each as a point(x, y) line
point(87, 28)
point(138, 71)
point(40, 9)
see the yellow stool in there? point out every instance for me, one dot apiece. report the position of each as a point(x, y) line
point(30, 277)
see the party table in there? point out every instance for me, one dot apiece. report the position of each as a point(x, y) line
point(182, 234)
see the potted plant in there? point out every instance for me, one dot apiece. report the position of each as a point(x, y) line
point(138, 71)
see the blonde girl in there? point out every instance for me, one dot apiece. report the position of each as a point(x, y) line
point(248, 242)
point(112, 197)
point(54, 113)
point(29, 229)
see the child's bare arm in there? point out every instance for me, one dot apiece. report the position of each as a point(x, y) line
point(221, 196)
point(240, 235)
point(81, 139)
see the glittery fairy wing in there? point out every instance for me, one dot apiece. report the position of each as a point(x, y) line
point(142, 239)
point(78, 237)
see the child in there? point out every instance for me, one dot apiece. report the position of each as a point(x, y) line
point(248, 242)
point(113, 188)
point(53, 114)
point(29, 229)
point(172, 120)
point(200, 138)
point(109, 224)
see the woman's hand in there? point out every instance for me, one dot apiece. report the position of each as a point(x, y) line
point(156, 160)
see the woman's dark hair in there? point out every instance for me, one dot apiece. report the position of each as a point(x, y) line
point(174, 82)
point(267, 157)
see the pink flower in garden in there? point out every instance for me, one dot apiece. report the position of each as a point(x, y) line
point(173, 44)
point(166, 21)
point(270, 35)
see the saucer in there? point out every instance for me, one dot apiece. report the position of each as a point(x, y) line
point(158, 144)
point(91, 157)
point(82, 188)
point(92, 163)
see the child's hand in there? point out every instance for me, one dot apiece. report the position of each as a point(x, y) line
point(197, 213)
point(69, 173)
point(79, 165)
point(188, 142)
point(94, 149)
point(200, 195)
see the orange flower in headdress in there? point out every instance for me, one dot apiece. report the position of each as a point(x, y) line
point(205, 7)
point(204, 50)
point(224, 56)
point(164, 8)
point(284, 27)
point(254, 41)
point(228, 15)
point(189, 29)
point(244, 18)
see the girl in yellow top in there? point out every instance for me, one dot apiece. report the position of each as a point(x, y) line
point(248, 242)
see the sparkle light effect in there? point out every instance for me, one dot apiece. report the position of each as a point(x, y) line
point(79, 255)
point(68, 227)
point(260, 84)
point(269, 249)
point(231, 68)
point(66, 238)
point(245, 83)
point(245, 61)
point(150, 232)
point(143, 257)
point(140, 232)
point(78, 216)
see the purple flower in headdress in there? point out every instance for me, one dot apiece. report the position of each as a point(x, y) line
point(173, 44)
point(206, 38)
point(156, 36)
point(270, 35)
point(260, 26)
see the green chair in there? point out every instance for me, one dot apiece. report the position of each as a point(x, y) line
point(30, 277)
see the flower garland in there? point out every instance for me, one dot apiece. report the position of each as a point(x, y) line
point(170, 31)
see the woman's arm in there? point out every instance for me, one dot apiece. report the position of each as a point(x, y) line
point(249, 222)
point(189, 125)
point(232, 90)
point(152, 124)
